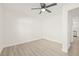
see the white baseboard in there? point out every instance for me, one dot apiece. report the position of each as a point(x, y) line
point(17, 43)
point(65, 50)
point(54, 40)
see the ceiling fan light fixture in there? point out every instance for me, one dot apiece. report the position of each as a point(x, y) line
point(43, 10)
point(44, 7)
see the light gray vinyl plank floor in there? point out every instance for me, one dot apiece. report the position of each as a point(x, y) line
point(35, 48)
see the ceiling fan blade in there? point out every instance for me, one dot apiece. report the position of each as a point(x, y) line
point(51, 5)
point(35, 8)
point(48, 10)
point(40, 12)
point(43, 5)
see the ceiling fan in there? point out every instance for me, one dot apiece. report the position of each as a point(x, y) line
point(44, 7)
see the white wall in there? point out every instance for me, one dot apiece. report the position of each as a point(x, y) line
point(70, 26)
point(1, 20)
point(20, 28)
point(52, 25)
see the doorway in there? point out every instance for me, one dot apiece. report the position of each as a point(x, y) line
point(73, 27)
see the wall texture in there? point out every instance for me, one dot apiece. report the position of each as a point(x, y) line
point(1, 27)
point(52, 25)
point(20, 28)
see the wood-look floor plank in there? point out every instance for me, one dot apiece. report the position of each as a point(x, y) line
point(74, 49)
point(35, 48)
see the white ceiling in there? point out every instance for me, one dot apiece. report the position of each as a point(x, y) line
point(26, 8)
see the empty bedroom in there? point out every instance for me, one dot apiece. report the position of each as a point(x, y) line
point(35, 29)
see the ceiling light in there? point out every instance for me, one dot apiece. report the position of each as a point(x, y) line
point(43, 9)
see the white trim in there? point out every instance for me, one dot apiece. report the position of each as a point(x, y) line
point(51, 39)
point(4, 46)
point(65, 50)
